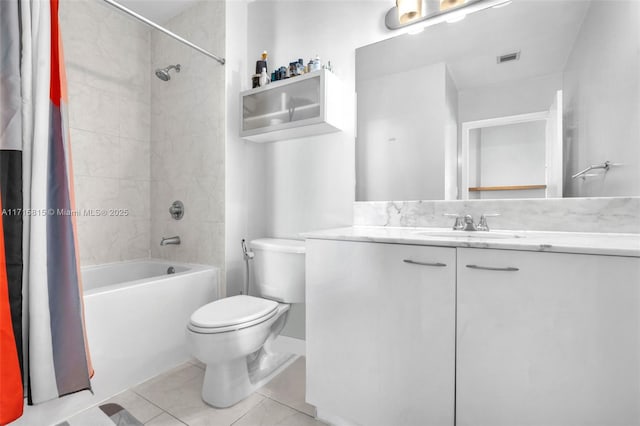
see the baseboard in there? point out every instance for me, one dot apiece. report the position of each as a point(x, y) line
point(332, 419)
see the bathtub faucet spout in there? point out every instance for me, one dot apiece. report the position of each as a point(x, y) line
point(170, 240)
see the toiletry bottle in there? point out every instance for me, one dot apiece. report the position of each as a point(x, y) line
point(262, 63)
point(314, 64)
point(263, 77)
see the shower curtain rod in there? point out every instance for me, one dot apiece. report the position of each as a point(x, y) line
point(164, 30)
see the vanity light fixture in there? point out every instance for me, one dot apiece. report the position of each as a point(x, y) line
point(448, 4)
point(402, 16)
point(408, 10)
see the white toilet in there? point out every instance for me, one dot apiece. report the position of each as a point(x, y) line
point(233, 336)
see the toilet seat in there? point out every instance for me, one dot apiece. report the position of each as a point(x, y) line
point(232, 313)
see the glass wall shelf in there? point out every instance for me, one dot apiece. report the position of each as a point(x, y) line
point(301, 106)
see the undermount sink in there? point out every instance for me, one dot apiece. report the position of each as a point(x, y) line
point(469, 234)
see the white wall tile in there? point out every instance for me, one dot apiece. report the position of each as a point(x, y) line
point(134, 119)
point(134, 162)
point(107, 60)
point(187, 152)
point(94, 154)
point(93, 109)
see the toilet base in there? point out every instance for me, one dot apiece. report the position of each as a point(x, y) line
point(228, 383)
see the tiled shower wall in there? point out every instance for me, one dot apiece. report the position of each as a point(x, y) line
point(108, 72)
point(140, 143)
point(187, 134)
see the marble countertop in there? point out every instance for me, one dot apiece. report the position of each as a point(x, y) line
point(559, 242)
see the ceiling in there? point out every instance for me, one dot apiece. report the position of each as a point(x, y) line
point(543, 31)
point(159, 11)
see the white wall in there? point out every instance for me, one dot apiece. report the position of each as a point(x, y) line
point(509, 155)
point(451, 139)
point(401, 132)
point(521, 97)
point(187, 133)
point(107, 64)
point(245, 183)
point(287, 187)
point(602, 101)
point(515, 98)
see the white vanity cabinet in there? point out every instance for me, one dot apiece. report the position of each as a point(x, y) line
point(556, 342)
point(380, 332)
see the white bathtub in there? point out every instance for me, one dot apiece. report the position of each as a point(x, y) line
point(135, 314)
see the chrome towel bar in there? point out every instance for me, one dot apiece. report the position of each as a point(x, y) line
point(606, 166)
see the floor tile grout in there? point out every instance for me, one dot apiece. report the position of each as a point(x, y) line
point(164, 411)
point(247, 412)
point(289, 406)
point(154, 417)
point(149, 401)
point(263, 393)
point(177, 418)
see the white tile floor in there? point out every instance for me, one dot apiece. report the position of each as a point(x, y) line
point(173, 399)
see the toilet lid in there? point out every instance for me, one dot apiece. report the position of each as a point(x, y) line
point(232, 311)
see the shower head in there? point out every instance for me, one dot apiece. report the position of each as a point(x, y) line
point(163, 73)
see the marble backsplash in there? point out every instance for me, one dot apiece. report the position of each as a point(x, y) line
point(619, 214)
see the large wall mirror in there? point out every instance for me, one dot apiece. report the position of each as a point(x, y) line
point(511, 102)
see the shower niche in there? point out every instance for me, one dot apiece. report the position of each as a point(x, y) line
point(308, 105)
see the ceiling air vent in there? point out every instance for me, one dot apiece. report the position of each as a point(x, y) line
point(514, 56)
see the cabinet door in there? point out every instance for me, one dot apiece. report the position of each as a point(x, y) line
point(381, 332)
point(556, 342)
point(308, 105)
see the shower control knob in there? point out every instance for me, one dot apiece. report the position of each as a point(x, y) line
point(177, 210)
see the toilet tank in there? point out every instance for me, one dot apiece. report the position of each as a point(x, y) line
point(278, 269)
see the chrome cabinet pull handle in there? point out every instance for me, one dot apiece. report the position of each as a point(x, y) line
point(413, 262)
point(489, 268)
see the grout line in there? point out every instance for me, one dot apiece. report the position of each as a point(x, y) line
point(149, 401)
point(154, 417)
point(178, 419)
point(289, 406)
point(159, 407)
point(261, 392)
point(247, 412)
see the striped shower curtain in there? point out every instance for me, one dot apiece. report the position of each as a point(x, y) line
point(39, 249)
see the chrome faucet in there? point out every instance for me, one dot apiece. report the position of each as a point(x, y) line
point(482, 225)
point(468, 224)
point(465, 223)
point(170, 240)
point(458, 225)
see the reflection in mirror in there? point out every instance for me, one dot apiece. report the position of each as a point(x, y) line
point(506, 157)
point(422, 101)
